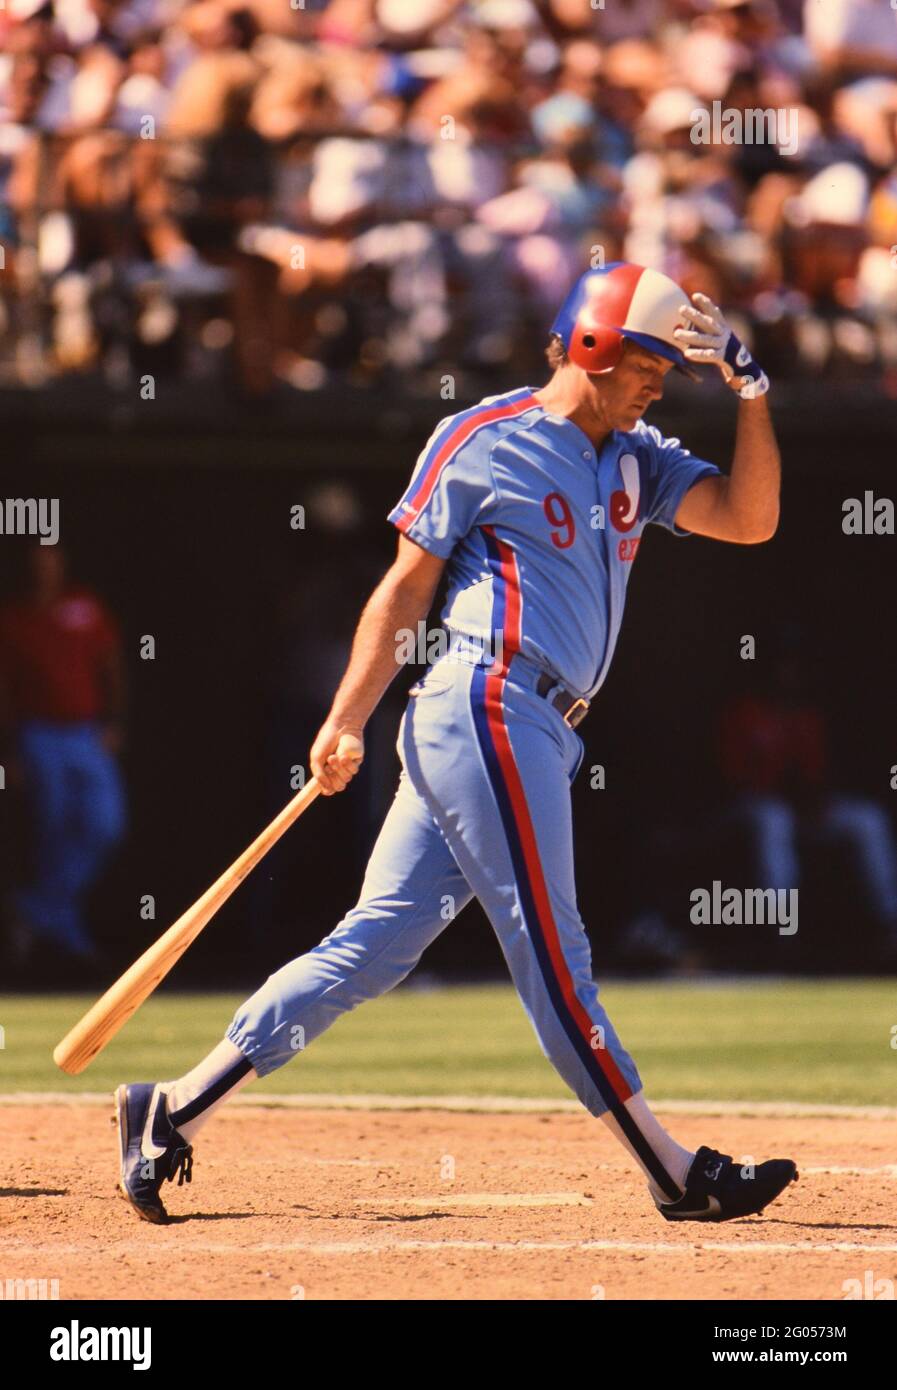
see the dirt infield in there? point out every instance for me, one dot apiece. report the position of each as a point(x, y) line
point(322, 1204)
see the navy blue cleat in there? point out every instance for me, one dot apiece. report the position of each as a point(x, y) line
point(716, 1189)
point(152, 1150)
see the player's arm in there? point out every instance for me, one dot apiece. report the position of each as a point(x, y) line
point(743, 507)
point(402, 598)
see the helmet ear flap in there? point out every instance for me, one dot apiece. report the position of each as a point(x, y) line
point(594, 347)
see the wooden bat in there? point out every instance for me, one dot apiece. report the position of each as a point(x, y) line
point(111, 1012)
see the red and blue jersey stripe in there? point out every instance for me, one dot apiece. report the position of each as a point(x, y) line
point(462, 428)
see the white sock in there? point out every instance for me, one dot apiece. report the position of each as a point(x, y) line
point(671, 1155)
point(196, 1096)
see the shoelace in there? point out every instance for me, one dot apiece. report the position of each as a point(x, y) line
point(182, 1164)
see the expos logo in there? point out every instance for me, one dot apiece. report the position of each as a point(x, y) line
point(624, 504)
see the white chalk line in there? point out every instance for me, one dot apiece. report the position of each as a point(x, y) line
point(566, 1199)
point(168, 1246)
point(497, 1105)
point(887, 1170)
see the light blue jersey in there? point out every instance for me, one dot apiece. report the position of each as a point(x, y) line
point(540, 532)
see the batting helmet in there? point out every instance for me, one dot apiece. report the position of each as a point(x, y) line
point(621, 301)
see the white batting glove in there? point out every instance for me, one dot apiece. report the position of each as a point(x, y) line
point(710, 339)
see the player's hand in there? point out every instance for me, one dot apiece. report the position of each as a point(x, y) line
point(336, 755)
point(708, 338)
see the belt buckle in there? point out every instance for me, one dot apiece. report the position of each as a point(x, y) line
point(577, 712)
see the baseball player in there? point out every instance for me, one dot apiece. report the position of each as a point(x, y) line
point(535, 503)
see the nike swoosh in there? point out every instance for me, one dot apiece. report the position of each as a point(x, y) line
point(148, 1147)
point(712, 1208)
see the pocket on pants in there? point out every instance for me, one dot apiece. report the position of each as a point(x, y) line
point(430, 685)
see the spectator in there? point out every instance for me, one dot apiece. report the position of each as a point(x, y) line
point(62, 691)
point(215, 179)
point(852, 37)
point(445, 166)
point(775, 760)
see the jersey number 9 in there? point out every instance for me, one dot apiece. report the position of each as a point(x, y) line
point(557, 510)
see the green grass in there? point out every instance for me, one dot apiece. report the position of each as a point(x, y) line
point(804, 1040)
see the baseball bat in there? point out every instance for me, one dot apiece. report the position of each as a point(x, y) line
point(112, 1011)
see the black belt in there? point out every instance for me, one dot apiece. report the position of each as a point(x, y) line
point(572, 708)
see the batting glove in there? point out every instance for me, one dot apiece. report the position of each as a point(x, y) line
point(709, 338)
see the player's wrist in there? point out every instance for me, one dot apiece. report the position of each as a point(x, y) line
point(745, 376)
point(348, 720)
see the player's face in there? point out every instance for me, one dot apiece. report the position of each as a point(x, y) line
point(630, 388)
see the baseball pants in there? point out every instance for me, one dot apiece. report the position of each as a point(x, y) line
point(482, 809)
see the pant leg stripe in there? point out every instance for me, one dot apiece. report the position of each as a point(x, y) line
point(488, 712)
point(599, 1065)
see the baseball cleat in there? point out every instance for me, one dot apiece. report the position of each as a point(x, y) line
point(152, 1150)
point(717, 1189)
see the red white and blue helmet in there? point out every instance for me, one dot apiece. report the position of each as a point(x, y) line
point(620, 301)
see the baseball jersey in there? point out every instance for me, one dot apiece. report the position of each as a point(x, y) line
point(540, 529)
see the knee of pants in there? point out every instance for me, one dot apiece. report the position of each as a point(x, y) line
point(366, 955)
point(300, 1001)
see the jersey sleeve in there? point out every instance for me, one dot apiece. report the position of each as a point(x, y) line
point(673, 470)
point(449, 488)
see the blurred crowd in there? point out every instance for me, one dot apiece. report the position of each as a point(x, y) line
point(298, 190)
